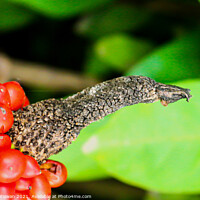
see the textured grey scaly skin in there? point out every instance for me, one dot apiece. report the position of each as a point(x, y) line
point(49, 126)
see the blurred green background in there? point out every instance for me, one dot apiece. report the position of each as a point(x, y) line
point(56, 48)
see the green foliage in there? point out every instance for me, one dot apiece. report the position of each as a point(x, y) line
point(148, 146)
point(175, 61)
point(156, 196)
point(94, 66)
point(151, 146)
point(112, 20)
point(12, 16)
point(61, 8)
point(120, 51)
point(115, 53)
point(145, 145)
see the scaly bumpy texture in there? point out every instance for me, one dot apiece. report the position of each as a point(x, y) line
point(49, 126)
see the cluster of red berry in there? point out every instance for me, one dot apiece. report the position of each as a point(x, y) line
point(20, 175)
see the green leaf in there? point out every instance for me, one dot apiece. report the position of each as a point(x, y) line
point(175, 61)
point(12, 16)
point(113, 19)
point(61, 8)
point(151, 146)
point(95, 67)
point(157, 196)
point(80, 167)
point(121, 51)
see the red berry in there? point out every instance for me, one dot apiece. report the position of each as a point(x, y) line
point(16, 93)
point(56, 173)
point(32, 168)
point(12, 165)
point(5, 142)
point(26, 102)
point(23, 184)
point(40, 188)
point(4, 96)
point(6, 190)
point(6, 118)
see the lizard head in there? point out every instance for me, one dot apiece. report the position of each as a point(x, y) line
point(170, 93)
